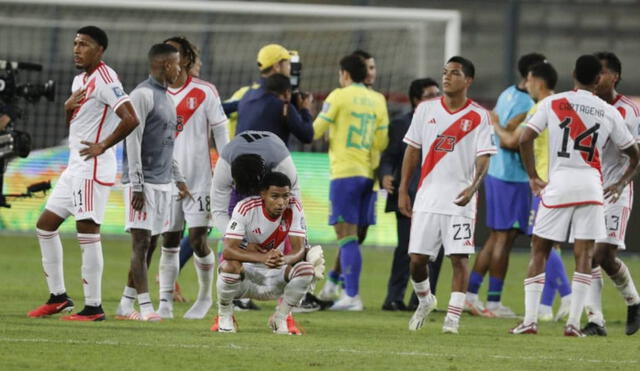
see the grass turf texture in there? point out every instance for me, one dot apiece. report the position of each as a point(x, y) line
point(372, 339)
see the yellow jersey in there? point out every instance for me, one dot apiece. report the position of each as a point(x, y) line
point(357, 120)
point(540, 148)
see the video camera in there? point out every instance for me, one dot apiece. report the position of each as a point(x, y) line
point(296, 73)
point(14, 142)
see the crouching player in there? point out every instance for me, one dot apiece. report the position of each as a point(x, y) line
point(254, 265)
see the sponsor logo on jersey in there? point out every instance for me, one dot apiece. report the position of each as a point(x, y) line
point(432, 121)
point(257, 231)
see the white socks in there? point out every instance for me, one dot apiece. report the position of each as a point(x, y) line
point(579, 291)
point(456, 302)
point(204, 269)
point(593, 306)
point(422, 289)
point(532, 293)
point(624, 284)
point(51, 249)
point(127, 301)
point(92, 266)
point(144, 301)
point(168, 272)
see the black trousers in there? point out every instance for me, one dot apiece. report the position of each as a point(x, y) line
point(400, 267)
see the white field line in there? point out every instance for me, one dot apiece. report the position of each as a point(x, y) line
point(306, 350)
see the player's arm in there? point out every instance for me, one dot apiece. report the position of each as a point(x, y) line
point(381, 134)
point(409, 163)
point(626, 142)
point(510, 135)
point(217, 120)
point(300, 122)
point(482, 166)
point(327, 115)
point(391, 156)
point(298, 251)
point(233, 251)
point(528, 159)
point(181, 183)
point(297, 234)
point(221, 186)
point(142, 100)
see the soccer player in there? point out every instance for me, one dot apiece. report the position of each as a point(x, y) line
point(99, 114)
point(148, 170)
point(616, 213)
point(508, 200)
point(264, 272)
point(541, 81)
point(390, 171)
point(579, 124)
point(454, 133)
point(199, 112)
point(357, 124)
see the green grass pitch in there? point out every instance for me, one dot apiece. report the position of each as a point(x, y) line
point(372, 339)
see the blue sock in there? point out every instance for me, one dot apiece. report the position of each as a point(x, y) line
point(185, 251)
point(334, 276)
point(475, 280)
point(351, 264)
point(555, 272)
point(495, 289)
point(550, 286)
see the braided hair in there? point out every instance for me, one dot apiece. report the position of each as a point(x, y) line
point(188, 51)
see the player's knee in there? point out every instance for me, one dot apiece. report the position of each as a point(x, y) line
point(230, 266)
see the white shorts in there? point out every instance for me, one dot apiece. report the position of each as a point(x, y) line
point(196, 212)
point(616, 218)
point(261, 282)
point(154, 216)
point(80, 197)
point(561, 224)
point(429, 231)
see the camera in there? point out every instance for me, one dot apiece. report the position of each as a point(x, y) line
point(31, 92)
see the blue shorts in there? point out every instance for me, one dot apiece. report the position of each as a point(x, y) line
point(507, 204)
point(533, 211)
point(352, 201)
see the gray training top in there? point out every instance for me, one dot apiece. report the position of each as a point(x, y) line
point(148, 151)
point(266, 144)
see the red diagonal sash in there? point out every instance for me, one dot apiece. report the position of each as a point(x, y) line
point(562, 108)
point(458, 130)
point(187, 106)
point(281, 232)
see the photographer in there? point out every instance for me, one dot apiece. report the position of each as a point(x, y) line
point(261, 110)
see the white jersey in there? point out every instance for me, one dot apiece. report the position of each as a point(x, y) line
point(579, 124)
point(93, 121)
point(614, 163)
point(199, 111)
point(251, 222)
point(450, 143)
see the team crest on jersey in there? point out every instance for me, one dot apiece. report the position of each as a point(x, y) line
point(192, 103)
point(465, 125)
point(117, 91)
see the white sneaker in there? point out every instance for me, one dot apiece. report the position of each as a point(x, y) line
point(199, 309)
point(450, 326)
point(563, 311)
point(150, 317)
point(124, 312)
point(278, 324)
point(348, 303)
point(502, 312)
point(476, 308)
point(545, 313)
point(424, 308)
point(330, 291)
point(165, 310)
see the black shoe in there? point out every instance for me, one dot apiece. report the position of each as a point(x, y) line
point(394, 306)
point(594, 329)
point(55, 304)
point(311, 303)
point(633, 319)
point(89, 313)
point(241, 305)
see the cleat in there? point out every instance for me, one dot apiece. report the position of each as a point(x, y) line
point(88, 314)
point(395, 306)
point(450, 326)
point(476, 308)
point(242, 305)
point(311, 303)
point(133, 316)
point(330, 291)
point(502, 312)
point(151, 317)
point(633, 319)
point(224, 324)
point(294, 328)
point(177, 294)
point(417, 320)
point(348, 303)
point(571, 330)
point(279, 325)
point(55, 304)
point(594, 329)
point(165, 310)
point(522, 329)
point(563, 311)
point(199, 309)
